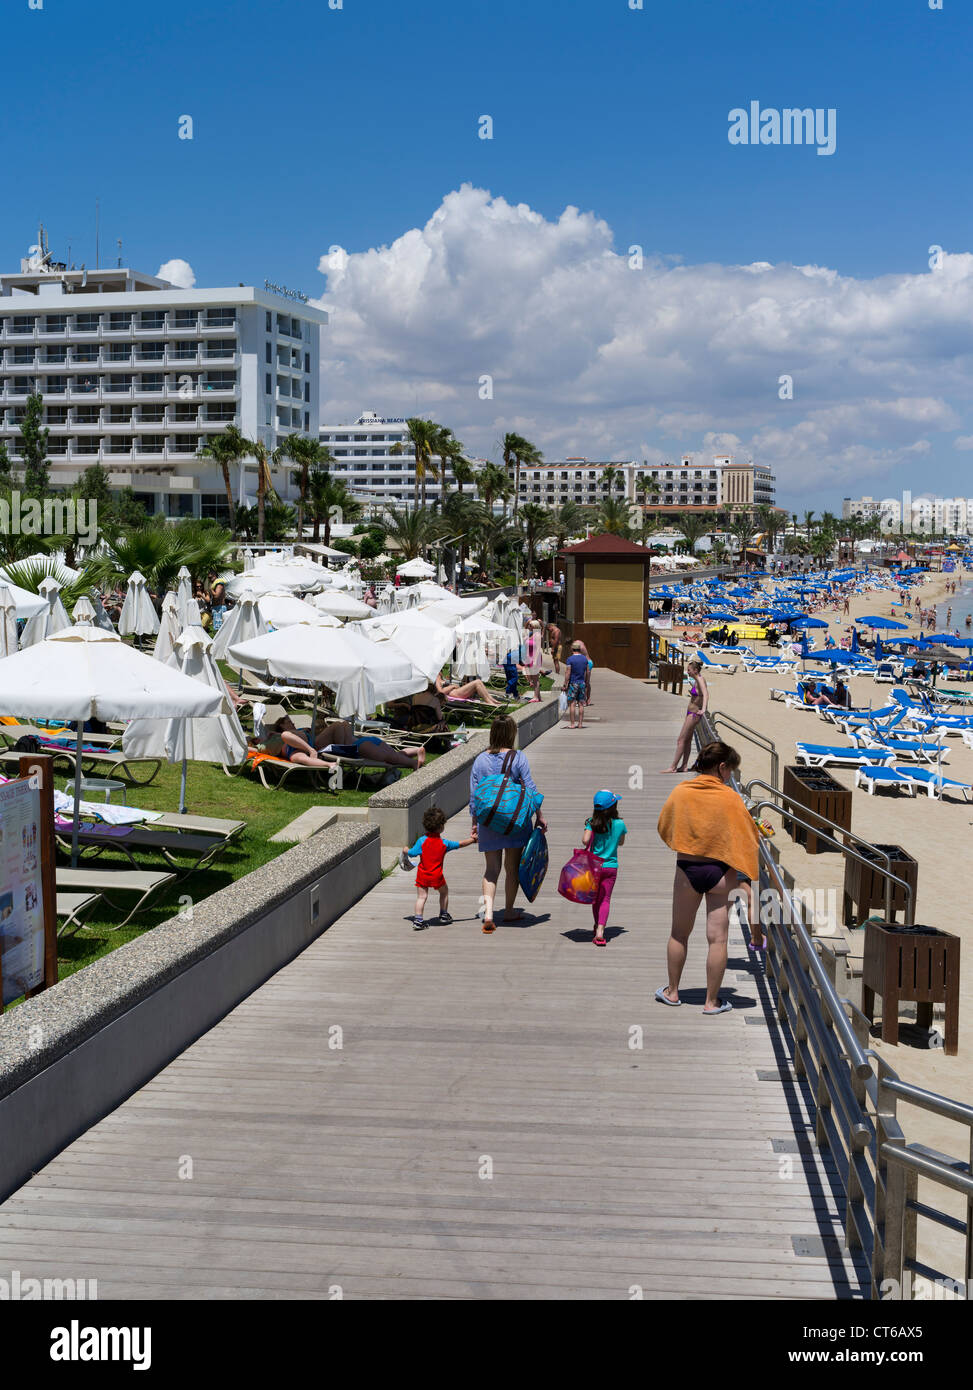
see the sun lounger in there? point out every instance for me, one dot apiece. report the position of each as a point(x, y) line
point(905, 748)
point(213, 825)
point(824, 755)
point(107, 881)
point(934, 784)
point(129, 840)
point(62, 737)
point(140, 771)
point(69, 908)
point(709, 665)
point(872, 777)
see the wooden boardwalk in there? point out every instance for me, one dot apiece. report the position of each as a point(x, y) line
point(506, 1117)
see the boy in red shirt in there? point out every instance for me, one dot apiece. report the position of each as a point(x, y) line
point(432, 850)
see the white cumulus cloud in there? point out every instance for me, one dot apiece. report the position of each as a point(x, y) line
point(178, 273)
point(588, 355)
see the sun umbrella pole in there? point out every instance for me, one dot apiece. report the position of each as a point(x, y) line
point(77, 794)
point(314, 712)
point(182, 788)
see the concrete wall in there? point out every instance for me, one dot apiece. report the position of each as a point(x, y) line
point(75, 1052)
point(397, 810)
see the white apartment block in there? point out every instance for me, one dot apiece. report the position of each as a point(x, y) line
point(574, 480)
point(136, 373)
point(365, 462)
point(934, 515)
point(717, 482)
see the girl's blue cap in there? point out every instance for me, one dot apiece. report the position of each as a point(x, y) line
point(606, 799)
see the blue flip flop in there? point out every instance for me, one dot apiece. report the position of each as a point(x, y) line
point(660, 995)
point(725, 1008)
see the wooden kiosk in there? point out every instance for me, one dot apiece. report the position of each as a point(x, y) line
point(606, 602)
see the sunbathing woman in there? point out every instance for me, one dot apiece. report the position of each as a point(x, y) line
point(472, 690)
point(367, 749)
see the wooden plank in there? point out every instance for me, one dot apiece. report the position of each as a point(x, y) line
point(613, 1165)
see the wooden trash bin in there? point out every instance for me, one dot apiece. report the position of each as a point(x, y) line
point(916, 964)
point(864, 887)
point(671, 676)
point(813, 792)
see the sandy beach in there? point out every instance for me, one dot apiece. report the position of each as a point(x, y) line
point(936, 833)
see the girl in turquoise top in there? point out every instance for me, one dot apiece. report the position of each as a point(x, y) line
point(604, 834)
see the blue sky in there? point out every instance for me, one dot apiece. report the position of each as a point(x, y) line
point(315, 127)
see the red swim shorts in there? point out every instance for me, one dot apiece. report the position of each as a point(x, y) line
point(425, 879)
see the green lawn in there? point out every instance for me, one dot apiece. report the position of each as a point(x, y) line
point(209, 792)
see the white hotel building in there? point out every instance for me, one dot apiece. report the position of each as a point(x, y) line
point(365, 463)
point(717, 482)
point(136, 373)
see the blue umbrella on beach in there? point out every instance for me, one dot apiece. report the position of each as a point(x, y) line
point(887, 624)
point(836, 655)
point(808, 622)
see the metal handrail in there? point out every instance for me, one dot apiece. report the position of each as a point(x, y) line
point(887, 873)
point(856, 1095)
point(768, 744)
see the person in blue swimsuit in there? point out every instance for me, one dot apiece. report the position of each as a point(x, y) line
point(698, 705)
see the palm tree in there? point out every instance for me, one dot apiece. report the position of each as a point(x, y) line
point(809, 524)
point(159, 551)
point(609, 477)
point(563, 522)
point(259, 451)
point(693, 526)
point(770, 523)
point(306, 453)
point(411, 529)
point(228, 447)
point(740, 525)
point(460, 516)
point(491, 533)
point(493, 482)
point(423, 435)
point(463, 472)
point(612, 517)
point(327, 495)
point(647, 489)
point(511, 444)
point(534, 520)
point(527, 456)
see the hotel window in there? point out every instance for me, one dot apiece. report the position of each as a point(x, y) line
point(183, 351)
point(151, 414)
point(55, 323)
point(87, 323)
point(85, 353)
point(119, 352)
point(57, 414)
point(151, 352)
point(219, 381)
point(22, 357)
point(270, 322)
point(151, 443)
point(270, 355)
point(307, 390)
point(307, 362)
point(307, 421)
point(56, 354)
point(118, 383)
point(86, 415)
point(57, 445)
point(154, 319)
point(220, 318)
point(151, 381)
point(23, 323)
point(184, 318)
point(56, 385)
point(87, 446)
point(268, 385)
point(117, 323)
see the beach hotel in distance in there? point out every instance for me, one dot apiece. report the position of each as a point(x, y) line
point(136, 373)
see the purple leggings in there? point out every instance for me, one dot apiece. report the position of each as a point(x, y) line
point(601, 904)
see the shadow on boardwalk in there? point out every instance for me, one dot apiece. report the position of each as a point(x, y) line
point(446, 1114)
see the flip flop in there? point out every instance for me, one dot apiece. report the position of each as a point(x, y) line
point(660, 995)
point(599, 941)
point(725, 1008)
point(489, 926)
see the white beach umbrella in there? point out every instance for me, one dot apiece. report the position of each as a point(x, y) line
point(240, 625)
point(101, 618)
point(52, 563)
point(8, 621)
point(453, 610)
point(54, 617)
point(211, 740)
point(184, 594)
point(426, 643)
point(282, 610)
point(427, 592)
point(84, 610)
point(345, 581)
point(416, 569)
point(291, 579)
point(361, 673)
point(26, 604)
point(170, 627)
point(341, 605)
point(86, 673)
point(138, 614)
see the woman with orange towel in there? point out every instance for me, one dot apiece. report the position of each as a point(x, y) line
point(715, 839)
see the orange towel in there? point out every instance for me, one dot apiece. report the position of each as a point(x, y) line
point(706, 819)
point(255, 756)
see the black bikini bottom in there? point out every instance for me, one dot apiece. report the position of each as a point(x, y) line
point(703, 874)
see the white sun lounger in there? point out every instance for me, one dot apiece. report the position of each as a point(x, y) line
point(823, 755)
point(105, 881)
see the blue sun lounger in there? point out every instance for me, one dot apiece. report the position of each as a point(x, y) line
point(907, 779)
point(821, 754)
